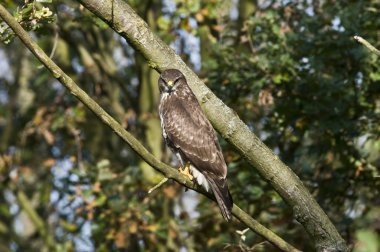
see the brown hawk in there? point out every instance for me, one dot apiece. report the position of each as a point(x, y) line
point(192, 138)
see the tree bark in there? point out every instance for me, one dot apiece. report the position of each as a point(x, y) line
point(148, 112)
point(121, 17)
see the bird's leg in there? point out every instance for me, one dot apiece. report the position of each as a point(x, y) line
point(186, 171)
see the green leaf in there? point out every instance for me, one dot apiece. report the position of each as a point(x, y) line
point(256, 192)
point(163, 23)
point(101, 200)
point(102, 164)
point(277, 78)
point(70, 227)
point(375, 76)
point(367, 241)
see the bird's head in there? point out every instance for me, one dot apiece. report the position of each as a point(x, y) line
point(169, 80)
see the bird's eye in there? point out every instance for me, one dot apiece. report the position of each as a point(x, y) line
point(175, 81)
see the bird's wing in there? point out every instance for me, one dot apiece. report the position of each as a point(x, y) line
point(190, 131)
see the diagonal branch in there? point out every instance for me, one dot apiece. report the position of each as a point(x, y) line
point(166, 170)
point(121, 17)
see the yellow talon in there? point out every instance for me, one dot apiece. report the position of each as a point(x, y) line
point(186, 171)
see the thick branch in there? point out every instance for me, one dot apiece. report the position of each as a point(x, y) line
point(367, 44)
point(121, 17)
point(166, 170)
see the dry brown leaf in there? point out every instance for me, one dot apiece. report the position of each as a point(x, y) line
point(90, 215)
point(49, 162)
point(199, 17)
point(120, 239)
point(265, 98)
point(133, 227)
point(38, 117)
point(172, 233)
point(217, 28)
point(49, 137)
point(152, 228)
point(170, 192)
point(97, 187)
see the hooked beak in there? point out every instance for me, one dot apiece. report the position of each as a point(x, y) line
point(170, 86)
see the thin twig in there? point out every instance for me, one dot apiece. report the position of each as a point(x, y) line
point(54, 47)
point(163, 181)
point(166, 170)
point(367, 44)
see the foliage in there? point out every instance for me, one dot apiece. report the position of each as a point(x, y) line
point(313, 97)
point(32, 15)
point(291, 71)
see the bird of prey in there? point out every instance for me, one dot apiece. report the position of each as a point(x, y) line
point(191, 137)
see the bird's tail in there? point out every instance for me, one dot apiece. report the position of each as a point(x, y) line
point(222, 194)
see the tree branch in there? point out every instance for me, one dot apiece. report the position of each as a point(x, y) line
point(26, 205)
point(367, 44)
point(166, 170)
point(121, 17)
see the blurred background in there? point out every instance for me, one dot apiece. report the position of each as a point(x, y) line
point(290, 69)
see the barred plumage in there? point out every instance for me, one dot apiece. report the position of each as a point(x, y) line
point(190, 135)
